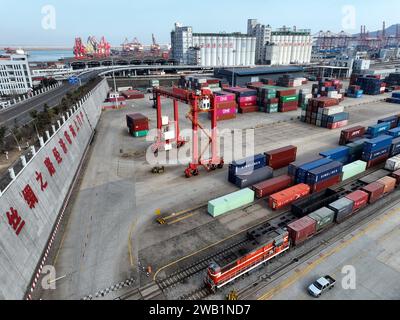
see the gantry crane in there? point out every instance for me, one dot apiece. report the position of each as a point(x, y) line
point(201, 101)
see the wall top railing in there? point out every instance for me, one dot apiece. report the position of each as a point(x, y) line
point(16, 169)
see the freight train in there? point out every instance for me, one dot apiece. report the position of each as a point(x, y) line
point(267, 242)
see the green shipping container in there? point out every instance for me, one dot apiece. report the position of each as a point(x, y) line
point(138, 134)
point(353, 169)
point(230, 202)
point(290, 98)
point(323, 217)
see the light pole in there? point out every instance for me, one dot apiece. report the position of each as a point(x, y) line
point(233, 69)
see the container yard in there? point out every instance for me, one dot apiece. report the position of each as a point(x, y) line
point(308, 180)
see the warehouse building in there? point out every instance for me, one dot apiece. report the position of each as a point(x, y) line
point(242, 76)
point(212, 49)
point(15, 75)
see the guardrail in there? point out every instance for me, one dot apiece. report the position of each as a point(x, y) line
point(26, 97)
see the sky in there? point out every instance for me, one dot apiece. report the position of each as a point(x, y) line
point(32, 22)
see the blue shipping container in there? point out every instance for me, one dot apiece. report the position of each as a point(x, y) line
point(324, 172)
point(395, 148)
point(395, 133)
point(392, 120)
point(377, 143)
point(378, 129)
point(337, 153)
point(396, 94)
point(294, 166)
point(338, 117)
point(301, 175)
point(375, 154)
point(248, 164)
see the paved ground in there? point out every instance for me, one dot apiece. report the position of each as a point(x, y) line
point(374, 252)
point(95, 250)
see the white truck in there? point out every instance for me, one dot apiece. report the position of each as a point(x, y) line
point(320, 286)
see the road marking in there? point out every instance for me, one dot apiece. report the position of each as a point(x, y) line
point(130, 244)
point(302, 272)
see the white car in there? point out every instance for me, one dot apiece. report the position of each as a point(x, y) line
point(321, 285)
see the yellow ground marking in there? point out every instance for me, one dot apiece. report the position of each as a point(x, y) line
point(302, 272)
point(130, 244)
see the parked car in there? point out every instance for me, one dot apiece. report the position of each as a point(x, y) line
point(320, 286)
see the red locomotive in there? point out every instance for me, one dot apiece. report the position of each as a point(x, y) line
point(266, 242)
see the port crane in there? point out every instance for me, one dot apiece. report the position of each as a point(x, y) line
point(200, 101)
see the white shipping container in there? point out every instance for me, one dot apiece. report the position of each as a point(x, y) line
point(393, 164)
point(333, 110)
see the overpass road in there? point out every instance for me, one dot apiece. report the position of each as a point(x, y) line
point(19, 114)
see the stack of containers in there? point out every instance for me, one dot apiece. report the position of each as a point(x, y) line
point(286, 81)
point(230, 202)
point(371, 85)
point(340, 154)
point(269, 82)
point(331, 88)
point(349, 134)
point(356, 149)
point(393, 79)
point(301, 171)
point(304, 96)
point(325, 112)
point(393, 120)
point(353, 169)
point(267, 99)
point(395, 98)
point(288, 100)
point(245, 98)
point(354, 92)
point(294, 167)
point(325, 176)
point(249, 171)
point(395, 133)
point(286, 197)
point(378, 129)
point(377, 150)
point(280, 158)
point(225, 105)
point(200, 82)
point(138, 124)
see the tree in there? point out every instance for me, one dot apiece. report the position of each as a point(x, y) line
point(34, 114)
point(3, 131)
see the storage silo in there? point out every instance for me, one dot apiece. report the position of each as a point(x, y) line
point(219, 51)
point(238, 55)
point(202, 50)
point(231, 49)
point(253, 51)
point(208, 50)
point(294, 57)
point(214, 50)
point(225, 48)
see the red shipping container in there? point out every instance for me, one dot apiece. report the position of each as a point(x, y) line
point(377, 161)
point(226, 117)
point(281, 163)
point(320, 186)
point(360, 199)
point(375, 191)
point(247, 104)
point(337, 125)
point(271, 186)
point(248, 99)
point(285, 152)
point(226, 105)
point(396, 175)
point(351, 133)
point(288, 108)
point(301, 230)
point(139, 127)
point(285, 93)
point(248, 109)
point(287, 197)
point(271, 101)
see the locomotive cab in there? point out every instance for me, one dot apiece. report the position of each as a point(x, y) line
point(213, 272)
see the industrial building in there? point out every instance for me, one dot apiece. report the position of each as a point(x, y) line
point(242, 76)
point(281, 47)
point(15, 75)
point(212, 49)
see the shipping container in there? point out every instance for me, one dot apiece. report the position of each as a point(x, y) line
point(282, 157)
point(389, 183)
point(301, 175)
point(395, 147)
point(247, 164)
point(251, 178)
point(337, 153)
point(293, 167)
point(313, 202)
point(393, 164)
point(378, 143)
point(360, 199)
point(375, 154)
point(271, 186)
point(393, 120)
point(353, 169)
point(377, 161)
point(324, 172)
point(375, 191)
point(396, 175)
point(325, 184)
point(343, 208)
point(230, 202)
point(351, 133)
point(374, 176)
point(378, 129)
point(323, 217)
point(301, 230)
point(286, 197)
